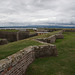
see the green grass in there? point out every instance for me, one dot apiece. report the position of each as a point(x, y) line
point(45, 35)
point(0, 39)
point(11, 48)
point(9, 30)
point(32, 32)
point(64, 64)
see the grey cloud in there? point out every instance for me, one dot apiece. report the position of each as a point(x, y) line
point(37, 10)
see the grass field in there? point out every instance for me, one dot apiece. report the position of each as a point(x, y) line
point(11, 48)
point(0, 39)
point(9, 30)
point(64, 64)
point(45, 35)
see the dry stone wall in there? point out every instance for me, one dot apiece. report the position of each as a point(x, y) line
point(17, 63)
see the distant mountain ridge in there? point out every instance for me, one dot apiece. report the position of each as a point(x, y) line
point(30, 25)
point(38, 26)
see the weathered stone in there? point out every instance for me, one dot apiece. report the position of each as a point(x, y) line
point(59, 36)
point(3, 41)
point(45, 50)
point(14, 36)
point(17, 63)
point(51, 39)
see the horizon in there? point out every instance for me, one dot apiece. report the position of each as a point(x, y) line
point(16, 24)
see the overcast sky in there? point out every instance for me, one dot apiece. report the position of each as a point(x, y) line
point(37, 11)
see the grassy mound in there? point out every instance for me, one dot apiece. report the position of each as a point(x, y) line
point(64, 64)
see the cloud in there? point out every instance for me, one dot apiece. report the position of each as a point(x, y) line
point(37, 11)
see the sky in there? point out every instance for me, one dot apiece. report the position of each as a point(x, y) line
point(37, 11)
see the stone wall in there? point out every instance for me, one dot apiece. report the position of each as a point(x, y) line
point(60, 32)
point(69, 30)
point(23, 35)
point(52, 38)
point(13, 36)
point(17, 63)
point(51, 30)
point(45, 50)
point(31, 35)
point(59, 36)
point(10, 36)
point(3, 41)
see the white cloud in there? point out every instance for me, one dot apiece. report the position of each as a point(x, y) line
point(37, 11)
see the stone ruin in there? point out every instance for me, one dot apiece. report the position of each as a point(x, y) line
point(14, 36)
point(17, 63)
point(52, 38)
point(3, 41)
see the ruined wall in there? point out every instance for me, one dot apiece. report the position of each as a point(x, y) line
point(45, 50)
point(17, 63)
point(60, 32)
point(59, 36)
point(10, 36)
point(52, 38)
point(51, 30)
point(23, 35)
point(3, 41)
point(31, 35)
point(13, 36)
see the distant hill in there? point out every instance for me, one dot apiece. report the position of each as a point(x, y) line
point(38, 26)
